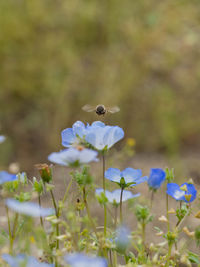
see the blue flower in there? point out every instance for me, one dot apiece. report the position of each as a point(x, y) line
point(82, 260)
point(156, 178)
point(128, 177)
point(103, 137)
point(28, 208)
point(23, 260)
point(73, 135)
point(7, 177)
point(2, 138)
point(114, 196)
point(73, 157)
point(186, 192)
point(122, 239)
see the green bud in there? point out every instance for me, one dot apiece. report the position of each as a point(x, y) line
point(102, 199)
point(84, 177)
point(45, 172)
point(142, 213)
point(171, 237)
point(169, 175)
point(37, 186)
point(23, 196)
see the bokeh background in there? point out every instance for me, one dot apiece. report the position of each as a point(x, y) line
point(57, 56)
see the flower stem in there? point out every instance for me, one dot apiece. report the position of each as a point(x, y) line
point(169, 254)
point(121, 195)
point(115, 220)
point(167, 212)
point(57, 215)
point(143, 237)
point(41, 220)
point(10, 233)
point(65, 197)
point(88, 211)
point(104, 188)
point(152, 197)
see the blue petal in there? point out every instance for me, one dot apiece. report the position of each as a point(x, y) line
point(131, 175)
point(112, 135)
point(113, 174)
point(82, 260)
point(156, 178)
point(28, 208)
point(68, 137)
point(115, 195)
point(174, 191)
point(87, 155)
point(98, 123)
point(95, 137)
point(79, 129)
point(2, 138)
point(190, 191)
point(7, 177)
point(122, 238)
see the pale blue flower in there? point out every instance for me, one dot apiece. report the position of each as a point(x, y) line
point(122, 239)
point(103, 137)
point(186, 192)
point(24, 260)
point(114, 196)
point(82, 260)
point(7, 177)
point(73, 157)
point(125, 178)
point(28, 208)
point(73, 135)
point(2, 138)
point(156, 178)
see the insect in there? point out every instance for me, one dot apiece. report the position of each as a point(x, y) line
point(100, 109)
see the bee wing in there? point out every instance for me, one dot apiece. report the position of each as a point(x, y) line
point(89, 108)
point(113, 109)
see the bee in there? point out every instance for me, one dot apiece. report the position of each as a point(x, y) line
point(100, 109)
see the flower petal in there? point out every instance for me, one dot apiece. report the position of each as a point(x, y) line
point(190, 191)
point(79, 129)
point(28, 208)
point(156, 178)
point(68, 137)
point(131, 175)
point(88, 155)
point(112, 135)
point(7, 177)
point(113, 174)
point(174, 190)
point(82, 260)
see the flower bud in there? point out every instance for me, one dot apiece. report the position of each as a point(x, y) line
point(45, 172)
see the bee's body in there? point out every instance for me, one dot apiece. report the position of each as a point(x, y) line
point(100, 109)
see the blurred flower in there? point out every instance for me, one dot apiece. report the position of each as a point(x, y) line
point(2, 138)
point(103, 137)
point(14, 167)
point(73, 157)
point(7, 177)
point(163, 219)
point(23, 260)
point(128, 177)
point(187, 232)
point(74, 134)
point(45, 172)
point(156, 178)
point(122, 239)
point(82, 260)
point(186, 192)
point(114, 196)
point(28, 208)
point(130, 142)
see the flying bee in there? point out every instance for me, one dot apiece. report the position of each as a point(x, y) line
point(100, 109)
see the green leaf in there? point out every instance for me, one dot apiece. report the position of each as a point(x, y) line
point(193, 258)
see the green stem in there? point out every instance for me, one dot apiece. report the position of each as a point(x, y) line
point(65, 196)
point(121, 216)
point(88, 211)
point(41, 220)
point(169, 254)
point(57, 215)
point(10, 233)
point(152, 197)
point(104, 188)
point(167, 212)
point(143, 237)
point(115, 220)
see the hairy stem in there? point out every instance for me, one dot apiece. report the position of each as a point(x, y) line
point(121, 216)
point(104, 188)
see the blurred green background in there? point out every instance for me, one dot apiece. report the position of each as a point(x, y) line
point(57, 56)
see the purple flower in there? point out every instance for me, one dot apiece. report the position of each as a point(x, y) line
point(28, 208)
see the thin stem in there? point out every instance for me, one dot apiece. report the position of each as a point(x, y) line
point(88, 211)
point(10, 233)
point(65, 196)
point(41, 220)
point(169, 254)
point(121, 195)
point(104, 188)
point(152, 197)
point(57, 215)
point(143, 237)
point(115, 222)
point(167, 212)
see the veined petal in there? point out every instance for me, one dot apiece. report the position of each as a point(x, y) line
point(131, 175)
point(95, 136)
point(174, 190)
point(98, 123)
point(28, 208)
point(112, 135)
point(113, 174)
point(79, 129)
point(68, 137)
